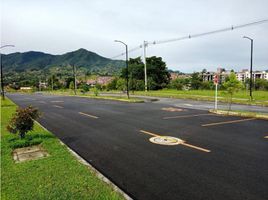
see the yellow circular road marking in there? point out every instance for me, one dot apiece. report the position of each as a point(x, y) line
point(166, 140)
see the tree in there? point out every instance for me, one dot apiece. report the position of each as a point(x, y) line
point(195, 81)
point(121, 84)
point(23, 121)
point(84, 87)
point(177, 83)
point(112, 84)
point(157, 72)
point(71, 86)
point(232, 86)
point(261, 84)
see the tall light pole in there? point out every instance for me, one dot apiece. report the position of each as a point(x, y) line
point(251, 59)
point(145, 44)
point(126, 65)
point(2, 79)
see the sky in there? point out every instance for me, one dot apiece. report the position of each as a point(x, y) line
point(60, 26)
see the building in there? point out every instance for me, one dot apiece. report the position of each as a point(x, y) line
point(245, 74)
point(102, 80)
point(241, 76)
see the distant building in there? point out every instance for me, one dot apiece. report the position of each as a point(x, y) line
point(241, 76)
point(245, 74)
point(102, 80)
point(174, 75)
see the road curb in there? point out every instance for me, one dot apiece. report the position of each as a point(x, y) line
point(240, 114)
point(93, 169)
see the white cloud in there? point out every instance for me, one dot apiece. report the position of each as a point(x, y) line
point(58, 26)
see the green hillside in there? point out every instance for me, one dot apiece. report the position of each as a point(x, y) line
point(82, 58)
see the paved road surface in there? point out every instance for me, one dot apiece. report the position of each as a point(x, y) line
point(200, 105)
point(222, 157)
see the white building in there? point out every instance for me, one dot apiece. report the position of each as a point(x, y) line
point(245, 74)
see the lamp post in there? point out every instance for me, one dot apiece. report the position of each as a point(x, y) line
point(251, 59)
point(126, 65)
point(2, 80)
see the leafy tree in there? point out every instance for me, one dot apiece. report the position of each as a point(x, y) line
point(207, 85)
point(157, 72)
point(68, 80)
point(84, 87)
point(121, 84)
point(112, 84)
point(261, 84)
point(71, 86)
point(195, 81)
point(98, 86)
point(176, 84)
point(232, 86)
point(96, 91)
point(139, 85)
point(152, 85)
point(135, 69)
point(23, 121)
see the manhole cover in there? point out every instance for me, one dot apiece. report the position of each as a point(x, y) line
point(29, 153)
point(166, 140)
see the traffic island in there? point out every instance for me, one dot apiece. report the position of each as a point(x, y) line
point(240, 114)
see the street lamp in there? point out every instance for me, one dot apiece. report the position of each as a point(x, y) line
point(126, 65)
point(2, 80)
point(251, 58)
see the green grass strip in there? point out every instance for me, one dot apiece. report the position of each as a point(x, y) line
point(59, 176)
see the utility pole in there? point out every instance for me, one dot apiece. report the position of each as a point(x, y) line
point(251, 61)
point(74, 71)
point(2, 78)
point(145, 65)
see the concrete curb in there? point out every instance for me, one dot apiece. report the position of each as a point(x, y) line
point(240, 114)
point(93, 169)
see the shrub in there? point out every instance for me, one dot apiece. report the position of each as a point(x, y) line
point(23, 121)
point(25, 142)
point(96, 91)
point(84, 88)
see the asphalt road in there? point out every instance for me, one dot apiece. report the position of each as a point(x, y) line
point(200, 105)
point(221, 158)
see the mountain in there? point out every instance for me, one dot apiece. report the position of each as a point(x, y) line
point(33, 60)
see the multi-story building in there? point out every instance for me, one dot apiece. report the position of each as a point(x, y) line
point(241, 76)
point(245, 74)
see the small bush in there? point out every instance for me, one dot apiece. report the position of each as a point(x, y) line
point(25, 142)
point(96, 91)
point(23, 121)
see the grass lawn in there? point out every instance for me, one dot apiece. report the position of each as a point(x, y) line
point(242, 97)
point(59, 176)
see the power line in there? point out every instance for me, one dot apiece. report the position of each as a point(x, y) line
point(207, 33)
point(194, 35)
point(131, 50)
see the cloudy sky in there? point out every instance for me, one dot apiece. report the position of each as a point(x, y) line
point(60, 26)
